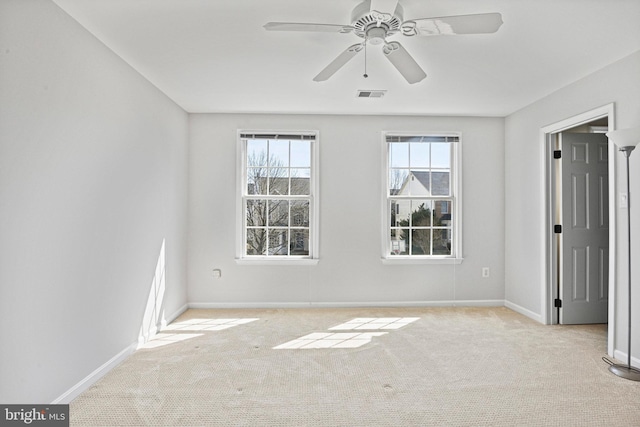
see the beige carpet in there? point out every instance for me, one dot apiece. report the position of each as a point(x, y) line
point(450, 367)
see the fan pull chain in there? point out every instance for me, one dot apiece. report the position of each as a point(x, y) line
point(365, 75)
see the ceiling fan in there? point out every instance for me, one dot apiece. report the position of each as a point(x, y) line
point(375, 20)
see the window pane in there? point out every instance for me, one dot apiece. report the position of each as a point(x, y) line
point(399, 155)
point(300, 213)
point(421, 213)
point(420, 183)
point(401, 213)
point(256, 213)
point(299, 242)
point(278, 213)
point(442, 241)
point(419, 155)
point(398, 241)
point(256, 152)
point(300, 173)
point(300, 154)
point(397, 179)
point(256, 241)
point(278, 242)
point(279, 153)
point(441, 155)
point(442, 213)
point(279, 181)
point(440, 183)
point(300, 182)
point(257, 181)
point(421, 242)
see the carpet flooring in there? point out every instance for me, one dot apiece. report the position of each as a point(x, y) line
point(364, 367)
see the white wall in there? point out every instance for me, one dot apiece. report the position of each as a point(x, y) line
point(93, 178)
point(350, 270)
point(618, 83)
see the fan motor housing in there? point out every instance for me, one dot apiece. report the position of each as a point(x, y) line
point(363, 19)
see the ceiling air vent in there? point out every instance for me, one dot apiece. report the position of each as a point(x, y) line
point(371, 93)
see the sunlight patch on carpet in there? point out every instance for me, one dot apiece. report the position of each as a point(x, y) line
point(207, 324)
point(374, 323)
point(163, 339)
point(330, 340)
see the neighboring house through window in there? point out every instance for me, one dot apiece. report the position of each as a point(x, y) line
point(422, 202)
point(278, 200)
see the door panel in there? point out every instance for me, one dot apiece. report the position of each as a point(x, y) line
point(580, 201)
point(580, 282)
point(585, 234)
point(603, 283)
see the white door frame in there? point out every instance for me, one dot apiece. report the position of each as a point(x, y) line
point(547, 214)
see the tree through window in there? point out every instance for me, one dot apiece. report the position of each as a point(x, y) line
point(421, 196)
point(277, 195)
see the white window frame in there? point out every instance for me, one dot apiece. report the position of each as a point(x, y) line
point(456, 256)
point(241, 197)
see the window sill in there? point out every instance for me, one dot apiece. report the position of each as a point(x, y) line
point(420, 261)
point(270, 261)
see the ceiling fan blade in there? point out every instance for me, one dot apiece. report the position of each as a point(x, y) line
point(403, 62)
point(295, 26)
point(482, 23)
point(339, 62)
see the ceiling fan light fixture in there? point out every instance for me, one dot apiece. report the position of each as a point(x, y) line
point(363, 18)
point(376, 35)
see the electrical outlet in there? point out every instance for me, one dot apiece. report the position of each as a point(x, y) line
point(486, 272)
point(217, 273)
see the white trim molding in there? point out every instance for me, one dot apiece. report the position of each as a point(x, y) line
point(525, 312)
point(313, 198)
point(419, 260)
point(607, 111)
point(350, 304)
point(93, 377)
point(454, 196)
point(277, 261)
point(622, 355)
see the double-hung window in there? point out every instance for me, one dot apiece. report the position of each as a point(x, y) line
point(422, 200)
point(278, 196)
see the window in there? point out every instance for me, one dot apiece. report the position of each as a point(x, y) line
point(278, 196)
point(422, 201)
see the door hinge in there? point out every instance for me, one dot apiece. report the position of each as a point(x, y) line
point(557, 303)
point(557, 228)
point(557, 154)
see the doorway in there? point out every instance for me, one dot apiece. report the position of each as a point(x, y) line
point(578, 273)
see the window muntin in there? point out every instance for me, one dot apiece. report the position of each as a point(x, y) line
point(277, 196)
point(420, 196)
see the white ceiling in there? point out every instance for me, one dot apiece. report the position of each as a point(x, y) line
point(215, 56)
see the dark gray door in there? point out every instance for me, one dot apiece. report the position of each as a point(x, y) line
point(585, 228)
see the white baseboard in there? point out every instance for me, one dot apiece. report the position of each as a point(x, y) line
point(92, 378)
point(525, 312)
point(176, 314)
point(274, 305)
point(623, 358)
